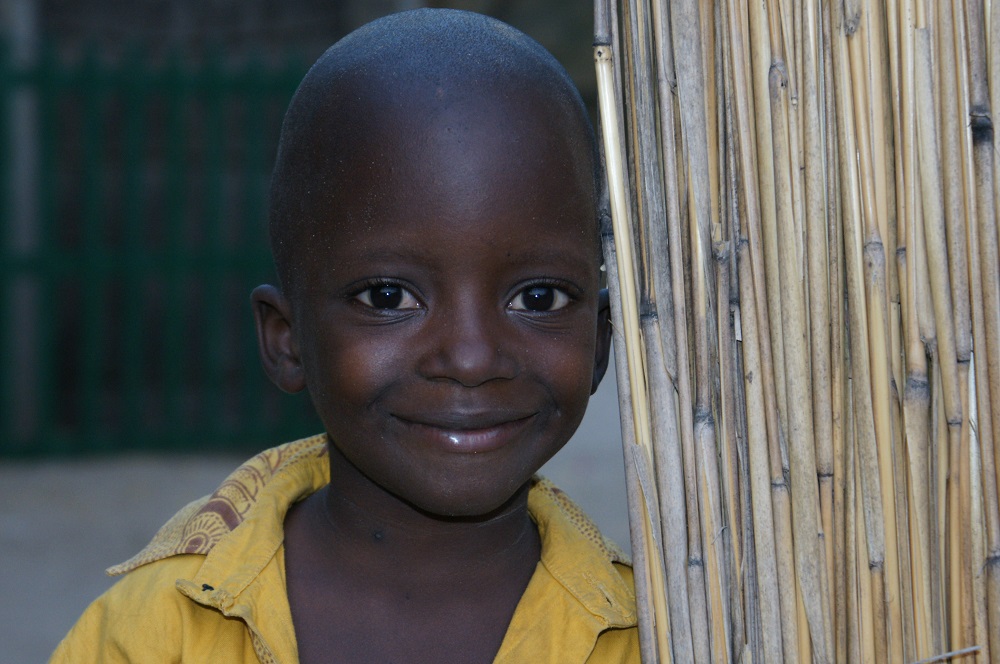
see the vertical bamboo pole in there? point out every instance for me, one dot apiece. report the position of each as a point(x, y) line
point(864, 429)
point(762, 39)
point(856, 624)
point(982, 130)
point(937, 261)
point(767, 288)
point(654, 620)
point(819, 317)
point(877, 326)
point(729, 389)
point(805, 517)
point(990, 247)
point(763, 520)
point(659, 326)
point(697, 604)
point(686, 38)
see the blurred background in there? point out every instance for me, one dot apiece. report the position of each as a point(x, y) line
point(136, 144)
point(137, 139)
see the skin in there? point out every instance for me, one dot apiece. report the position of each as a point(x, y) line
point(449, 326)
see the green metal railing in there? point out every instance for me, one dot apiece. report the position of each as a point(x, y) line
point(150, 184)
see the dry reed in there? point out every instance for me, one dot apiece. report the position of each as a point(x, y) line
point(805, 276)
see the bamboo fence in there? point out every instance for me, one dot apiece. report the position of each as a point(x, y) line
point(803, 257)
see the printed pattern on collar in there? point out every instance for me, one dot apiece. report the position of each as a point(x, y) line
point(580, 521)
point(199, 526)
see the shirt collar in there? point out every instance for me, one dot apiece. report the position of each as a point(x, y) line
point(582, 578)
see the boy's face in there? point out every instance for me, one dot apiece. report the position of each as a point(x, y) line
point(447, 324)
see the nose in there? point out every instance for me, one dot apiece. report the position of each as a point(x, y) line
point(467, 344)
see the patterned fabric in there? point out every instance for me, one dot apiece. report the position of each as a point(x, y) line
point(581, 521)
point(201, 524)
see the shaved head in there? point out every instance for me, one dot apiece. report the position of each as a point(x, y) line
point(429, 81)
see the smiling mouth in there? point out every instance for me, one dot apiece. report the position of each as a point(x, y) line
point(468, 435)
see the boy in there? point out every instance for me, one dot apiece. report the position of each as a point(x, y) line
point(434, 227)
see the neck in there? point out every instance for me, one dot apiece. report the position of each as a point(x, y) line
point(373, 528)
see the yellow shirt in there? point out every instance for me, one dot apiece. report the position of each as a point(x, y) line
point(210, 587)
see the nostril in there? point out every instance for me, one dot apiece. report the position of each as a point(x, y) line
point(469, 362)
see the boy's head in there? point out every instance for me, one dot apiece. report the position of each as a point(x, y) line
point(434, 226)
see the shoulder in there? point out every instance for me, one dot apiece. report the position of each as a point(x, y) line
point(139, 618)
point(590, 569)
point(203, 523)
point(149, 616)
point(161, 610)
point(580, 604)
point(552, 508)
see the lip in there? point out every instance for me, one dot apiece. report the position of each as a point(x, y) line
point(467, 434)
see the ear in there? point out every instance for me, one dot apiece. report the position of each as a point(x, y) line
point(602, 349)
point(279, 352)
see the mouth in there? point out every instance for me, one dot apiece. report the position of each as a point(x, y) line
point(467, 433)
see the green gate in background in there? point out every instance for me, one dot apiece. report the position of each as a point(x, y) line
point(133, 206)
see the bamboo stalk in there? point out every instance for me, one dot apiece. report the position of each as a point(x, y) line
point(697, 610)
point(884, 142)
point(733, 562)
point(916, 395)
point(818, 281)
point(864, 430)
point(872, 613)
point(734, 476)
point(669, 477)
point(941, 295)
point(661, 344)
point(877, 324)
point(805, 519)
point(977, 532)
point(761, 34)
point(990, 252)
point(979, 379)
point(982, 136)
point(968, 500)
point(650, 208)
point(763, 242)
point(886, 336)
point(855, 619)
point(856, 600)
point(655, 648)
point(640, 533)
point(686, 38)
point(768, 593)
point(839, 418)
point(951, 176)
point(916, 409)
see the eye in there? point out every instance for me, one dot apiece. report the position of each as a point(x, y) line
point(539, 298)
point(387, 295)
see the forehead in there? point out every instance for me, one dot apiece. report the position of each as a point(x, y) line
point(447, 159)
point(424, 110)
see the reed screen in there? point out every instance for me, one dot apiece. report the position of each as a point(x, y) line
point(803, 256)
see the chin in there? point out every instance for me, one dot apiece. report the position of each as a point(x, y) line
point(472, 505)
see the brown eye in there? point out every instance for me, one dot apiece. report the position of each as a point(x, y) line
point(387, 296)
point(539, 298)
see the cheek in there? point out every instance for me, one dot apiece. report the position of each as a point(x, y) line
point(352, 369)
point(568, 367)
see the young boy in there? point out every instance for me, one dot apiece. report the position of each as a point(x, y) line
point(434, 226)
